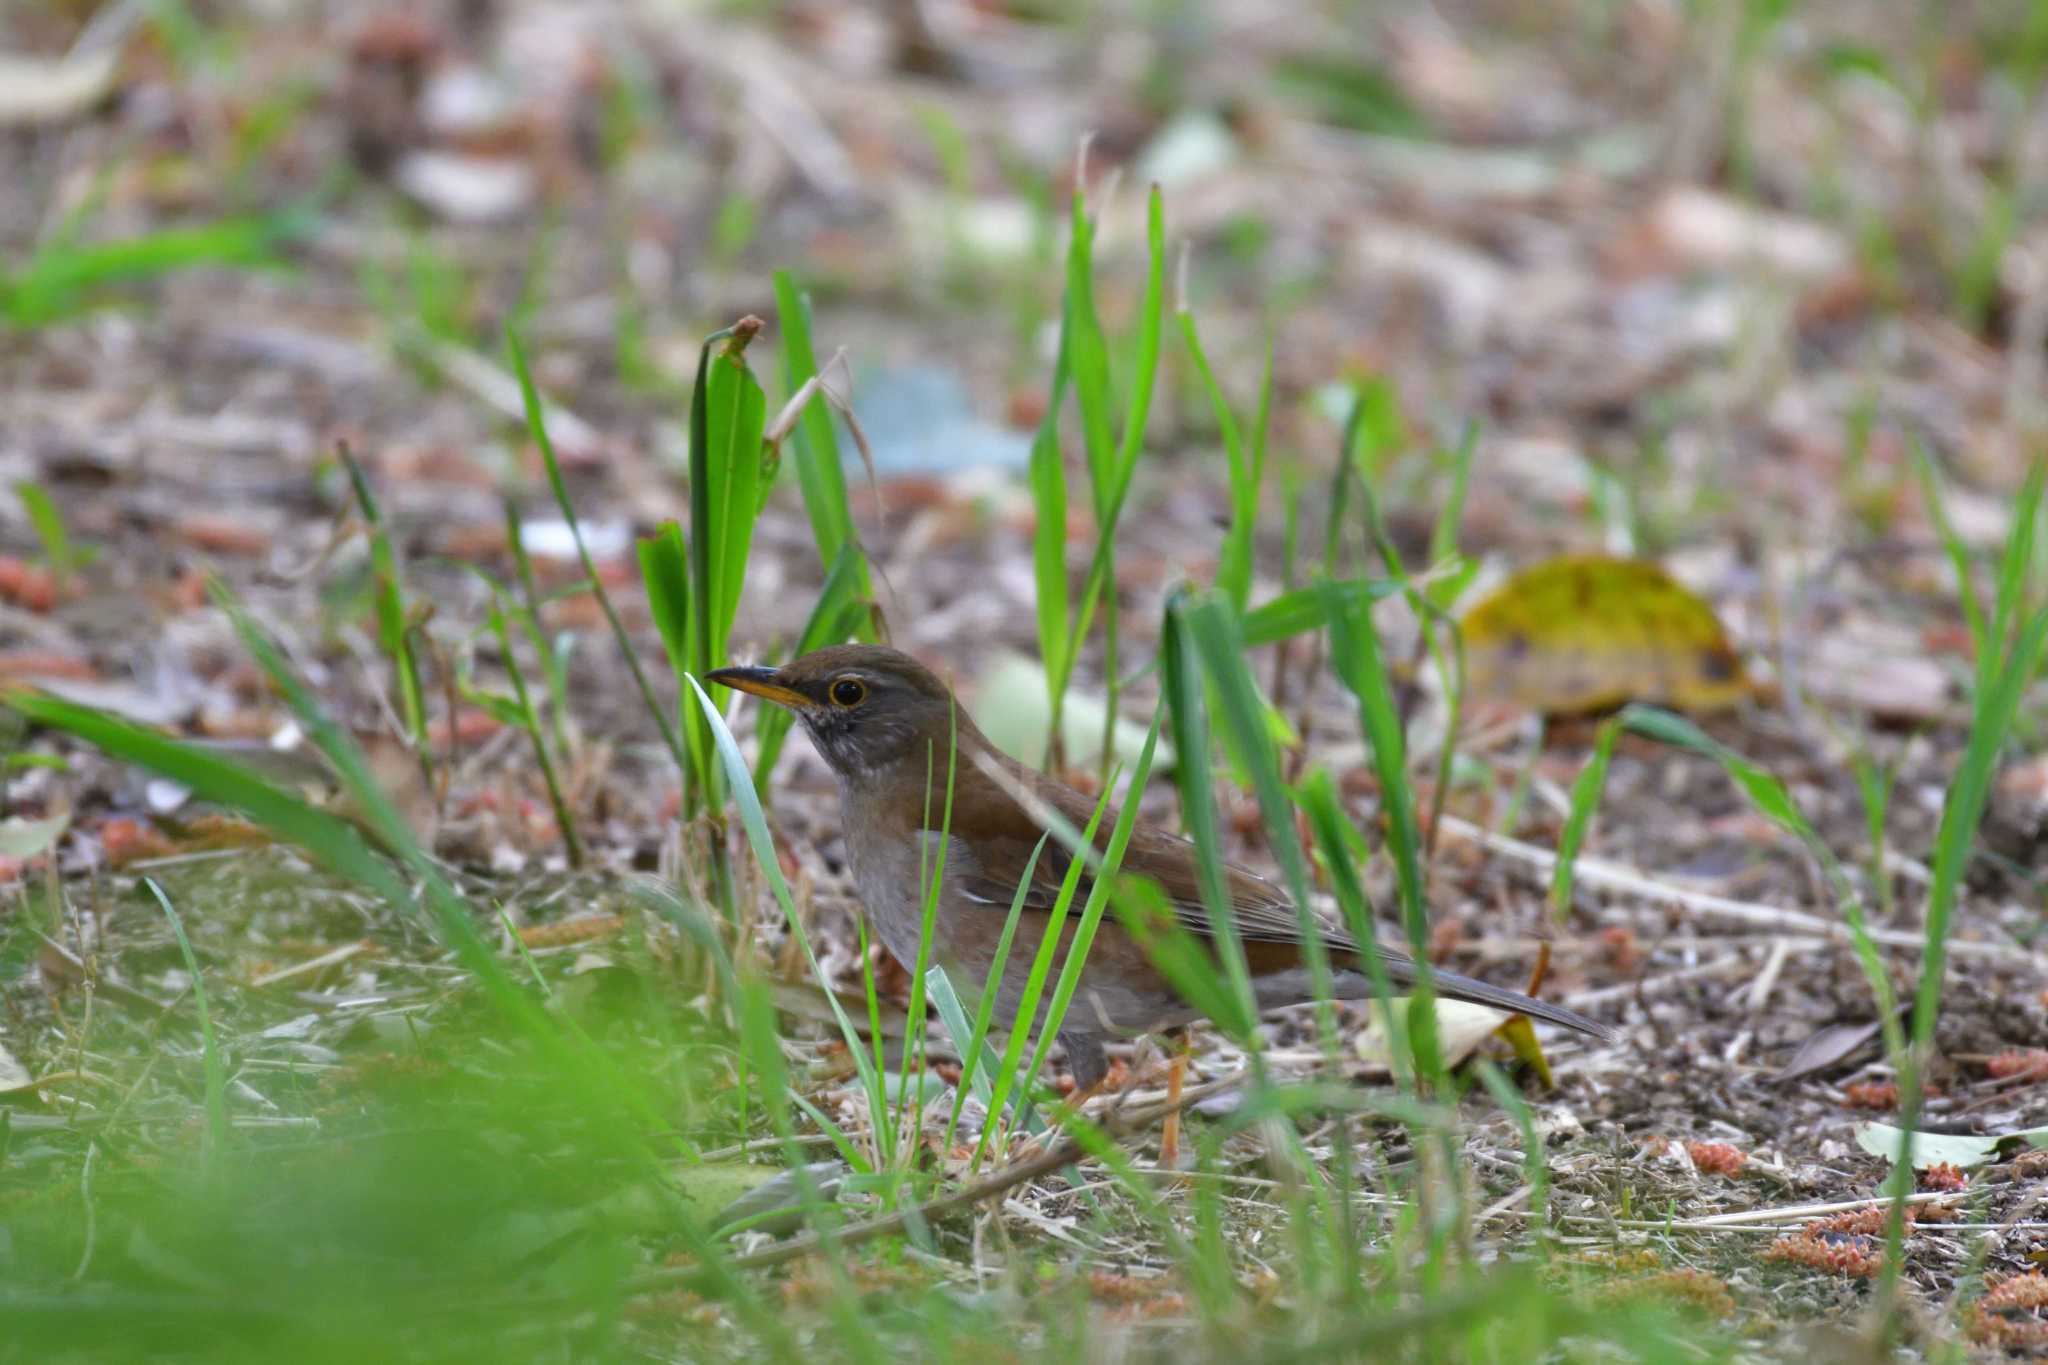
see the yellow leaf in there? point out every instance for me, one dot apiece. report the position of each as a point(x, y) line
point(1587, 633)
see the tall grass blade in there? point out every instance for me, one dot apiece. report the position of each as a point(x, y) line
point(1355, 655)
point(1334, 837)
point(529, 720)
point(1088, 357)
point(64, 275)
point(931, 871)
point(1012, 1075)
point(1246, 469)
point(1099, 892)
point(1952, 542)
point(1587, 789)
point(838, 614)
point(1049, 547)
point(209, 1041)
point(1181, 689)
point(42, 512)
point(1993, 712)
point(394, 632)
point(1213, 631)
point(762, 843)
point(2013, 569)
point(978, 1059)
point(554, 667)
point(1137, 411)
point(536, 426)
point(820, 472)
point(665, 575)
point(1301, 610)
point(1772, 799)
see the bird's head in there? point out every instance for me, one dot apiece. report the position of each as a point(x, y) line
point(867, 707)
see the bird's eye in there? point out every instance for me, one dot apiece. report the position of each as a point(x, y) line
point(849, 692)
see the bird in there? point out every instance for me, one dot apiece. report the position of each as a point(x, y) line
point(884, 724)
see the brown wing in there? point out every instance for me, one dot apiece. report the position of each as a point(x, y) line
point(1003, 835)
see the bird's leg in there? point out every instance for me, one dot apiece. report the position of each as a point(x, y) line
point(1176, 1076)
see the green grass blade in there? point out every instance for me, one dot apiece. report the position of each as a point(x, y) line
point(1535, 1165)
point(1355, 653)
point(1775, 802)
point(393, 631)
point(1182, 691)
point(1958, 552)
point(1301, 610)
point(332, 841)
point(1099, 891)
point(978, 1060)
point(665, 575)
point(554, 671)
point(1139, 409)
point(1049, 546)
point(1213, 630)
point(1112, 491)
point(2013, 569)
point(732, 466)
point(1586, 792)
point(50, 530)
point(1088, 358)
point(1443, 537)
point(755, 822)
point(1356, 658)
point(1011, 1075)
point(1334, 836)
point(536, 426)
point(529, 721)
point(820, 471)
point(836, 615)
point(209, 1041)
point(931, 871)
point(1990, 725)
point(1234, 563)
point(64, 275)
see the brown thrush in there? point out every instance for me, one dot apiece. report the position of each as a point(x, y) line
point(884, 723)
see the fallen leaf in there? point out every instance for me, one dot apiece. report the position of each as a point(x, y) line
point(38, 90)
point(1705, 230)
point(23, 839)
point(1586, 633)
point(222, 533)
point(1011, 707)
point(1961, 1150)
point(1829, 1047)
point(14, 1077)
point(1460, 1028)
point(772, 1202)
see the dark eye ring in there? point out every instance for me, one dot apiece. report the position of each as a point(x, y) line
point(849, 692)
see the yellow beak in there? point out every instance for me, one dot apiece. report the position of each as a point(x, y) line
point(759, 681)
